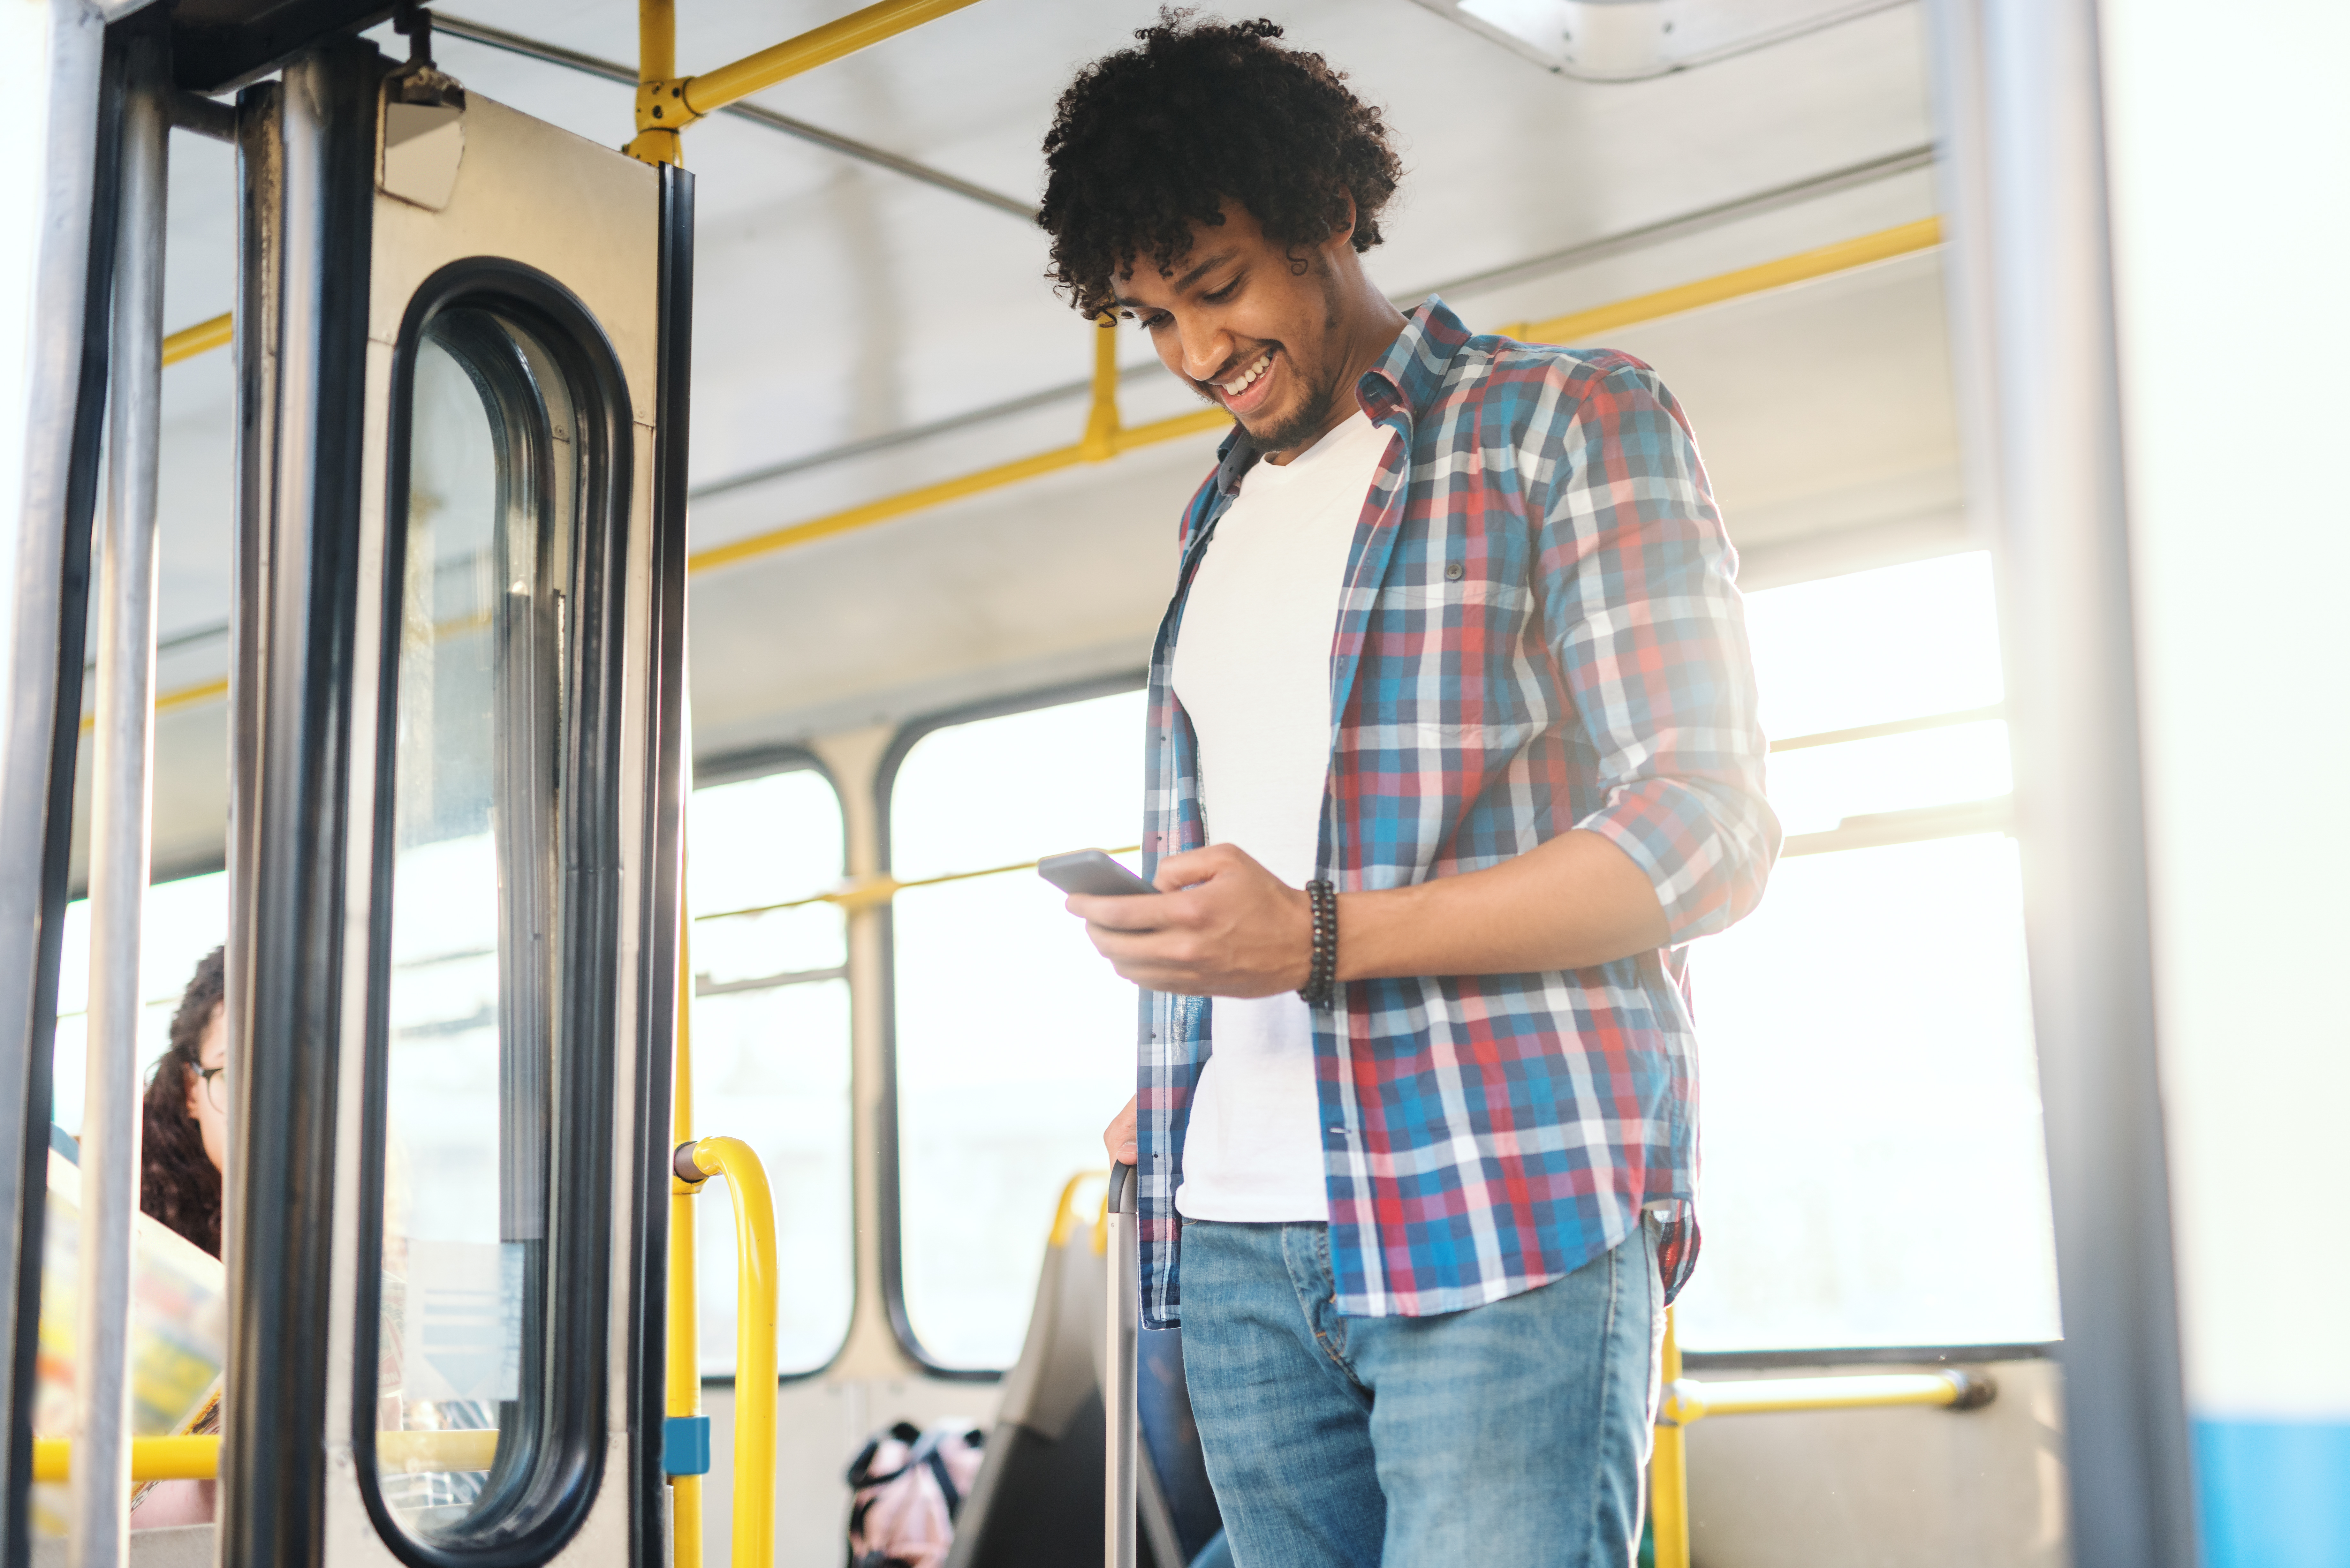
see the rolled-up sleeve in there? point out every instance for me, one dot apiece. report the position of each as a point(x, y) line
point(1645, 620)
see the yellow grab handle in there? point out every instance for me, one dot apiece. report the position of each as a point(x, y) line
point(198, 1458)
point(151, 1458)
point(754, 1341)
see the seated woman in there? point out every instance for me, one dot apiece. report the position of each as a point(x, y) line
point(183, 1138)
point(183, 1155)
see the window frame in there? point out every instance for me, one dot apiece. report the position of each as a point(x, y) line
point(563, 1468)
point(1919, 824)
point(889, 1217)
point(740, 767)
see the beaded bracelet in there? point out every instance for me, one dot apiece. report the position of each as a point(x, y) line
point(1321, 976)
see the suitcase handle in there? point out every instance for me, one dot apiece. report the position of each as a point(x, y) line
point(1120, 1448)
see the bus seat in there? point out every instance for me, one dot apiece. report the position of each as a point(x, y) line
point(1037, 1502)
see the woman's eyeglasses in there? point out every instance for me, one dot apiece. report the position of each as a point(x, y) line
point(215, 1086)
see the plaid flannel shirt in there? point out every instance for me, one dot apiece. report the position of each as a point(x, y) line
point(1538, 632)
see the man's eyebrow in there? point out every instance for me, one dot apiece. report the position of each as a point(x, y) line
point(1183, 283)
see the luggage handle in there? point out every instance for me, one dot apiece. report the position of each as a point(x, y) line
point(1120, 1447)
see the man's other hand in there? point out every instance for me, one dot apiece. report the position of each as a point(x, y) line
point(1119, 1137)
point(1222, 925)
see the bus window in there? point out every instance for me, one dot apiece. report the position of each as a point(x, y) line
point(1014, 1042)
point(1873, 1170)
point(182, 920)
point(771, 1048)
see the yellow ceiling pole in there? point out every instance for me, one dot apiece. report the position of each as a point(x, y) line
point(1101, 422)
point(656, 64)
point(1100, 442)
point(202, 339)
point(1581, 326)
point(667, 103)
point(1102, 419)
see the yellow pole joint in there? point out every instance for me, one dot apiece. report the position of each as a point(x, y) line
point(656, 139)
point(667, 102)
point(662, 105)
point(1099, 443)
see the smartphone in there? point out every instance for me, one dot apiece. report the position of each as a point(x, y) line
point(1092, 872)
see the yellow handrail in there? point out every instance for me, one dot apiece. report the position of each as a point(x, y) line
point(202, 339)
point(1825, 261)
point(1669, 1470)
point(198, 1458)
point(413, 1453)
point(151, 1458)
point(684, 1379)
point(1686, 1399)
point(1105, 438)
point(865, 892)
point(667, 103)
point(713, 91)
point(754, 1343)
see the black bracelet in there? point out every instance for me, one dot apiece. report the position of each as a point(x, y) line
point(1320, 989)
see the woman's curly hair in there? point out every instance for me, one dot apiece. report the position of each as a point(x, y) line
point(1150, 140)
point(178, 1183)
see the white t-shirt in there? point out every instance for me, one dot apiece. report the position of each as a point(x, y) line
point(1252, 670)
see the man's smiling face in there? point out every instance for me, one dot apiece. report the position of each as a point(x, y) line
point(1252, 325)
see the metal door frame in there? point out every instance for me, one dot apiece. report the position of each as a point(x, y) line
point(307, 479)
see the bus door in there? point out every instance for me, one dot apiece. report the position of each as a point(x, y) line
point(462, 338)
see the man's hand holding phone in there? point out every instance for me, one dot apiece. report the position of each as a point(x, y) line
point(1215, 923)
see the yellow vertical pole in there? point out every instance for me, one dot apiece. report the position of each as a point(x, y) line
point(655, 62)
point(1668, 1469)
point(755, 1344)
point(685, 1349)
point(1100, 442)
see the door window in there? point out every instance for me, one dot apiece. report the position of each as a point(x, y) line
point(496, 914)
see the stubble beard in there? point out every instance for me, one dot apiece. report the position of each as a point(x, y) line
point(1313, 415)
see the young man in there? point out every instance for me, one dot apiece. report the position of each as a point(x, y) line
point(1452, 735)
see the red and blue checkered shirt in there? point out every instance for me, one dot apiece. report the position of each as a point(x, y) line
point(1538, 632)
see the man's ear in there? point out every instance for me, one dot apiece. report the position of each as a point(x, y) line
point(1344, 235)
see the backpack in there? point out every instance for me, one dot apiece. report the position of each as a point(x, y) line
point(906, 1487)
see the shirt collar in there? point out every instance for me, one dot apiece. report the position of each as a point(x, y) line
point(1413, 370)
point(1407, 377)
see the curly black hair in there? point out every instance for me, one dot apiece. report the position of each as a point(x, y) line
point(178, 1183)
point(1150, 140)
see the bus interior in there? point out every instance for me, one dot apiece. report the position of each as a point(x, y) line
point(529, 532)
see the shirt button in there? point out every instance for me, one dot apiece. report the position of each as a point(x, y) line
point(1453, 570)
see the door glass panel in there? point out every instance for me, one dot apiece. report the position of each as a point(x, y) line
point(472, 1040)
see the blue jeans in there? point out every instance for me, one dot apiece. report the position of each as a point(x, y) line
point(1515, 1433)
